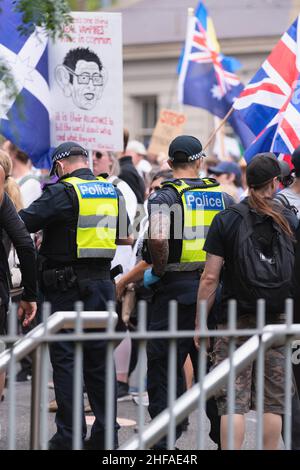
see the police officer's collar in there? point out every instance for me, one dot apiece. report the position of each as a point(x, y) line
point(79, 172)
point(104, 175)
point(197, 181)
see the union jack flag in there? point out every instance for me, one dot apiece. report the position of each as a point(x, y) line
point(206, 77)
point(270, 103)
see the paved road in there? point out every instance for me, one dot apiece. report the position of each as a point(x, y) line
point(126, 410)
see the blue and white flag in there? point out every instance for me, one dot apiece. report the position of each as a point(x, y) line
point(25, 124)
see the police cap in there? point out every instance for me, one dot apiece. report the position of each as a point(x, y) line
point(185, 149)
point(65, 150)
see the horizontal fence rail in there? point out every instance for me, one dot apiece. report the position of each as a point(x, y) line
point(32, 343)
point(56, 322)
point(89, 326)
point(188, 402)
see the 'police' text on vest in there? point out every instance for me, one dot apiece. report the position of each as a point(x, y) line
point(209, 201)
point(96, 189)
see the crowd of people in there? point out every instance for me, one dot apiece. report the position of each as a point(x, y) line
point(186, 227)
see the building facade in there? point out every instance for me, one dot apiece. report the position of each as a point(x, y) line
point(154, 33)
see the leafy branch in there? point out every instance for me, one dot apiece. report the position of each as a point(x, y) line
point(51, 15)
point(8, 88)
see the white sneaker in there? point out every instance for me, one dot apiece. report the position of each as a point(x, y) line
point(145, 399)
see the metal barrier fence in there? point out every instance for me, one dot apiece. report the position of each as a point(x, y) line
point(260, 340)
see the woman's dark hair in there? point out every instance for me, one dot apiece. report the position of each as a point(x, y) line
point(238, 181)
point(165, 174)
point(125, 139)
point(268, 207)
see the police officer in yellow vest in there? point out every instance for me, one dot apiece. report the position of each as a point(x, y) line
point(180, 214)
point(80, 216)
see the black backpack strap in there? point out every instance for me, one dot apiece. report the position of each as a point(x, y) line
point(241, 208)
point(283, 200)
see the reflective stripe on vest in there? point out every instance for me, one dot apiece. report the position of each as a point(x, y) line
point(200, 205)
point(97, 218)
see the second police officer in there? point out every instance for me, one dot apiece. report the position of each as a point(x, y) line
point(179, 217)
point(76, 253)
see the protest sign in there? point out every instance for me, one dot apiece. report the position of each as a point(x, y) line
point(169, 125)
point(86, 83)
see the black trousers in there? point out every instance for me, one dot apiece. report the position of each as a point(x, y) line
point(157, 349)
point(94, 356)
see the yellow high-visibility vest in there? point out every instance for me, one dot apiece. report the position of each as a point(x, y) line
point(200, 205)
point(97, 218)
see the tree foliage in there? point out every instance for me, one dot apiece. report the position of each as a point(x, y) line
point(51, 15)
point(90, 5)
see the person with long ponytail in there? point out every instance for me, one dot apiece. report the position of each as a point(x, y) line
point(251, 245)
point(260, 196)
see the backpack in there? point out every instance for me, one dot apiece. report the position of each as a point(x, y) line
point(282, 199)
point(263, 262)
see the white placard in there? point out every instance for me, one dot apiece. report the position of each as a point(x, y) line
point(86, 82)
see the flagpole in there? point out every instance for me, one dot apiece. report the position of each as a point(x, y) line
point(219, 139)
point(212, 136)
point(190, 14)
point(222, 142)
point(91, 160)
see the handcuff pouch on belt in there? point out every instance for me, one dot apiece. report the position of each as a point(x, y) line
point(62, 279)
point(59, 279)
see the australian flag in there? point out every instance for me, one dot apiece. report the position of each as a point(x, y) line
point(270, 104)
point(24, 121)
point(207, 79)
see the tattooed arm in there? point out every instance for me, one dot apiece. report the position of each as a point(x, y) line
point(159, 230)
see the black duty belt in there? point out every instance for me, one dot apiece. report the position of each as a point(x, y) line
point(85, 272)
point(62, 279)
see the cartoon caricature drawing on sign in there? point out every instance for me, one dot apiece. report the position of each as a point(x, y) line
point(82, 76)
point(86, 82)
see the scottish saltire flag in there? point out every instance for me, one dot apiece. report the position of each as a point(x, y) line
point(26, 124)
point(206, 78)
point(270, 104)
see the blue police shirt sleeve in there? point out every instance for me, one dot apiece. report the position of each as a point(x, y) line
point(228, 200)
point(164, 197)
